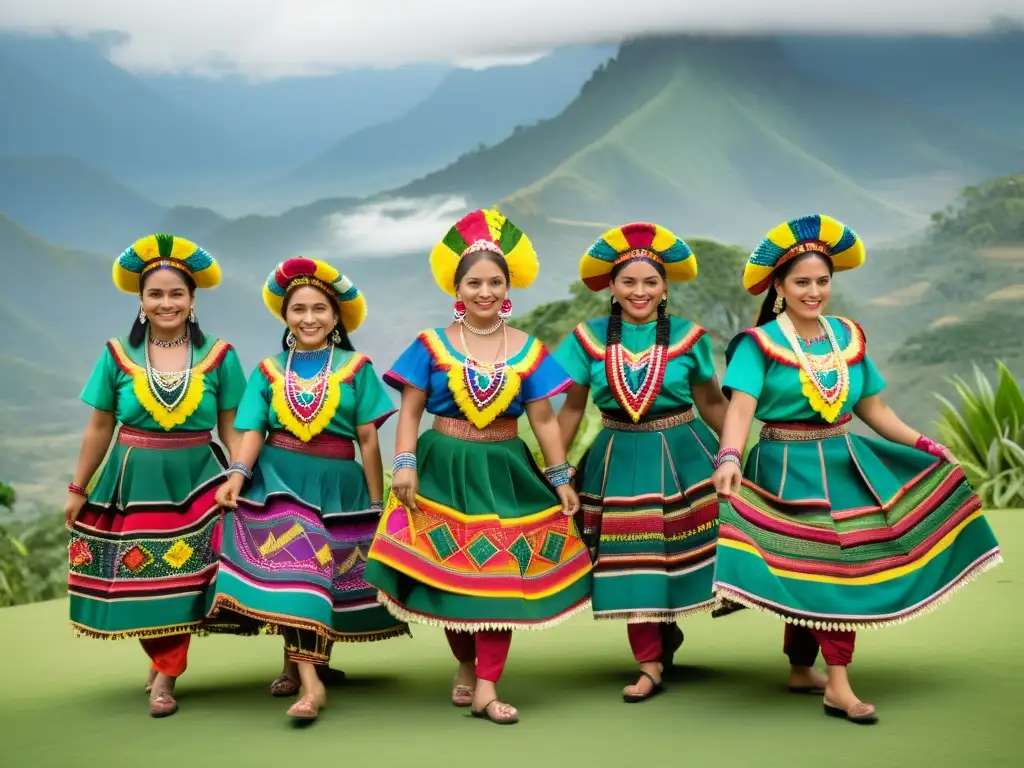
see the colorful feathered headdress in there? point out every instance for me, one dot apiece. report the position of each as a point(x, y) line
point(157, 251)
point(632, 242)
point(301, 271)
point(484, 230)
point(814, 234)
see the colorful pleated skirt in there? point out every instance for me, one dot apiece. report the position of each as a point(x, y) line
point(650, 517)
point(836, 531)
point(488, 546)
point(294, 550)
point(143, 552)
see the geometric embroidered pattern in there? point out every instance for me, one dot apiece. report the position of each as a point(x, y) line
point(481, 549)
point(521, 551)
point(443, 541)
point(178, 555)
point(137, 558)
point(553, 545)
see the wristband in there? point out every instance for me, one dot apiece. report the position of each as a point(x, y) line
point(78, 490)
point(240, 469)
point(558, 474)
point(376, 506)
point(930, 447)
point(731, 455)
point(404, 460)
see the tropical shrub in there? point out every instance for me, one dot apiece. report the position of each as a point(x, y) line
point(986, 434)
point(33, 556)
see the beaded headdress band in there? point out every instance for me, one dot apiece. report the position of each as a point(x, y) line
point(639, 253)
point(483, 245)
point(172, 263)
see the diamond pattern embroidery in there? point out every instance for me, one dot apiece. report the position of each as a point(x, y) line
point(481, 550)
point(137, 558)
point(521, 551)
point(443, 541)
point(554, 543)
point(178, 555)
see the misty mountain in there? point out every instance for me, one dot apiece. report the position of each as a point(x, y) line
point(725, 138)
point(468, 108)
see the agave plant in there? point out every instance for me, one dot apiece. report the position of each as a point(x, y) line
point(986, 434)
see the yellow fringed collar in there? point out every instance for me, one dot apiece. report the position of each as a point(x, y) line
point(344, 370)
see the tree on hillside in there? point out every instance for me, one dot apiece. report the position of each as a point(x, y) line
point(988, 214)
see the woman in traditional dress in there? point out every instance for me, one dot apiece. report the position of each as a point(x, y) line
point(828, 530)
point(295, 541)
point(143, 541)
point(649, 509)
point(475, 538)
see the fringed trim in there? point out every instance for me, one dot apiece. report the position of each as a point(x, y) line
point(275, 624)
point(191, 628)
point(986, 564)
point(646, 617)
point(403, 614)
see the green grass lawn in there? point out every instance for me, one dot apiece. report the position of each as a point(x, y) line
point(948, 688)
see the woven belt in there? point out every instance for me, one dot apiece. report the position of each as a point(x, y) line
point(794, 432)
point(497, 431)
point(322, 446)
point(653, 425)
point(162, 441)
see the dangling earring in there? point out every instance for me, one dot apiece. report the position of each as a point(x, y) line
point(505, 311)
point(460, 311)
point(779, 305)
point(664, 301)
point(336, 337)
point(192, 315)
point(142, 315)
point(290, 340)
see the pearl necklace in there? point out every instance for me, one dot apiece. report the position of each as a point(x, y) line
point(820, 364)
point(168, 387)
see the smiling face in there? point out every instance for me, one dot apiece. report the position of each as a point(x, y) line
point(806, 288)
point(482, 290)
point(167, 301)
point(310, 316)
point(639, 289)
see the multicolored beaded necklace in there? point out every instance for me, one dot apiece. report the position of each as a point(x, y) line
point(636, 402)
point(816, 367)
point(305, 395)
point(168, 387)
point(484, 381)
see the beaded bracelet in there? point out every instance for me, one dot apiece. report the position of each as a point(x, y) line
point(404, 460)
point(558, 474)
point(376, 506)
point(239, 468)
point(78, 490)
point(731, 455)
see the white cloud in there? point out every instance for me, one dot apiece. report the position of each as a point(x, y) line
point(394, 227)
point(273, 38)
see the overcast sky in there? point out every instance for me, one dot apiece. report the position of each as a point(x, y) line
point(273, 38)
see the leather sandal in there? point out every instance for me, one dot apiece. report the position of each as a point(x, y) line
point(633, 698)
point(462, 695)
point(306, 708)
point(485, 714)
point(861, 713)
point(162, 705)
point(284, 686)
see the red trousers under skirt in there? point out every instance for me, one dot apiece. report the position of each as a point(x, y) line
point(169, 654)
point(645, 641)
point(488, 649)
point(801, 645)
